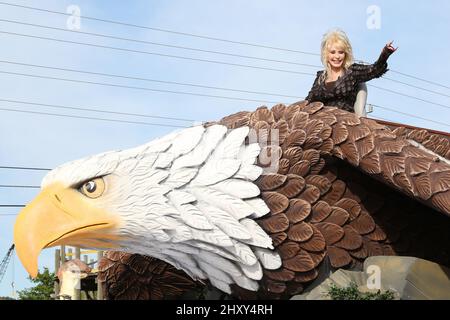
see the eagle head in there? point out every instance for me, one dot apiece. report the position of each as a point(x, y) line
point(187, 198)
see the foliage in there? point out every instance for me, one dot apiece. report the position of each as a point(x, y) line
point(42, 290)
point(352, 293)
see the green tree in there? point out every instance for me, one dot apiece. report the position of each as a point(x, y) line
point(43, 288)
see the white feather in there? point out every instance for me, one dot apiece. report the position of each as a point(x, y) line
point(186, 140)
point(248, 154)
point(211, 248)
point(214, 236)
point(182, 257)
point(259, 207)
point(198, 155)
point(180, 177)
point(194, 218)
point(214, 272)
point(216, 170)
point(161, 209)
point(229, 147)
point(185, 248)
point(167, 223)
point(237, 188)
point(269, 259)
point(164, 160)
point(160, 235)
point(155, 177)
point(224, 221)
point(180, 234)
point(180, 197)
point(194, 273)
point(243, 252)
point(249, 172)
point(259, 237)
point(235, 206)
point(223, 264)
point(253, 272)
point(246, 283)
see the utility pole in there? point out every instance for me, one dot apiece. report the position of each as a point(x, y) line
point(99, 284)
point(78, 289)
point(5, 262)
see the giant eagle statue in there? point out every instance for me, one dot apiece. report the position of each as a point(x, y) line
point(258, 204)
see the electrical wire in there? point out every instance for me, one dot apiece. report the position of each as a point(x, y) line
point(203, 50)
point(155, 53)
point(218, 62)
point(160, 44)
point(137, 88)
point(143, 79)
point(162, 30)
point(12, 205)
point(24, 168)
point(202, 37)
point(93, 118)
point(18, 186)
point(96, 110)
point(411, 115)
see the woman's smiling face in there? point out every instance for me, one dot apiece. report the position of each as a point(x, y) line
point(336, 55)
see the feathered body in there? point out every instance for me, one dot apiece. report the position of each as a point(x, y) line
point(259, 202)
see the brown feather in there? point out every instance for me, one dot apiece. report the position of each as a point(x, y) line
point(302, 262)
point(298, 210)
point(300, 232)
point(275, 201)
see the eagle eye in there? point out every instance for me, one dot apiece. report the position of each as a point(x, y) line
point(93, 188)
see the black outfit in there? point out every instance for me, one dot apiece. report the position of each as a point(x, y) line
point(342, 92)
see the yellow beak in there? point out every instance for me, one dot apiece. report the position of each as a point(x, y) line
point(61, 216)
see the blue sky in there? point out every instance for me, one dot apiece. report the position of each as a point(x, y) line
point(420, 30)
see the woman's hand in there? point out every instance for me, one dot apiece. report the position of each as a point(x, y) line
point(390, 48)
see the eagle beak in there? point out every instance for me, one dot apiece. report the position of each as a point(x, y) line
point(61, 216)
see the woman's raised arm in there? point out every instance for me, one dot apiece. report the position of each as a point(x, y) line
point(364, 72)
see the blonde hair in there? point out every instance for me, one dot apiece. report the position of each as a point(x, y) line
point(335, 36)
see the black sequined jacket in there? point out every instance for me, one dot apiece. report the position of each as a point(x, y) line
point(342, 92)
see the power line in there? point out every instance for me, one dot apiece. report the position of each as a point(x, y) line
point(164, 125)
point(18, 186)
point(95, 110)
point(198, 94)
point(196, 85)
point(199, 50)
point(409, 96)
point(135, 122)
point(24, 168)
point(416, 87)
point(411, 115)
point(155, 53)
point(145, 79)
point(421, 79)
point(202, 37)
point(134, 87)
point(161, 44)
point(164, 30)
point(92, 118)
point(12, 205)
point(203, 60)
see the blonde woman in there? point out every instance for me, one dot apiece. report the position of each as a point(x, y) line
point(338, 84)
